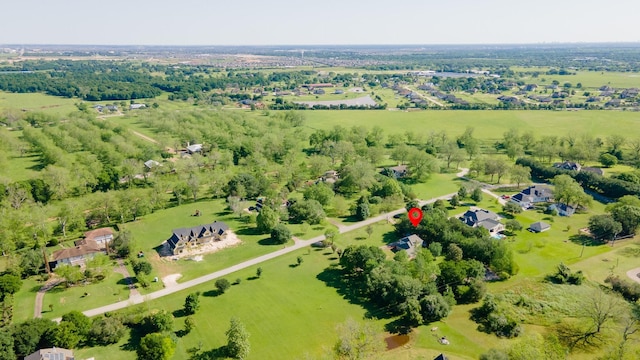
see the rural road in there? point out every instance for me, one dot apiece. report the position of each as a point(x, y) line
point(139, 299)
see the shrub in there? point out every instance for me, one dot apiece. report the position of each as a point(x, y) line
point(142, 267)
point(280, 234)
point(222, 285)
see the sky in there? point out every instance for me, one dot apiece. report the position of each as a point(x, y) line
point(319, 22)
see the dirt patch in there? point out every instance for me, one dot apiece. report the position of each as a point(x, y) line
point(396, 341)
point(171, 280)
point(634, 274)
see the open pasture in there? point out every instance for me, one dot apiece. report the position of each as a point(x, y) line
point(489, 125)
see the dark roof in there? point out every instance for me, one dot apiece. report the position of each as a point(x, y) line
point(216, 227)
point(441, 357)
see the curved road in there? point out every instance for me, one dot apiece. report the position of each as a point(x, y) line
point(138, 299)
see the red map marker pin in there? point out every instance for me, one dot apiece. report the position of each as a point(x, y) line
point(415, 216)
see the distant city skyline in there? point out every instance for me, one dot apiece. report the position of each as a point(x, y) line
point(330, 22)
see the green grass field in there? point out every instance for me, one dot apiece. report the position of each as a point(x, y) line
point(489, 125)
point(108, 291)
point(37, 102)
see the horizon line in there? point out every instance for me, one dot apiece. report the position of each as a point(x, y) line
point(637, 42)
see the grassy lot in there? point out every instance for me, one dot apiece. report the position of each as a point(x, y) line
point(153, 229)
point(111, 289)
point(273, 311)
point(37, 102)
point(286, 302)
point(488, 125)
point(589, 79)
point(25, 299)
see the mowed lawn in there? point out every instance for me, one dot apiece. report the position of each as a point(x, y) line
point(153, 229)
point(489, 125)
point(289, 311)
point(110, 290)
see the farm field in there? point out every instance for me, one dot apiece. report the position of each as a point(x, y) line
point(37, 102)
point(489, 125)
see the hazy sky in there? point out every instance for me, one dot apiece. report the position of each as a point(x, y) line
point(283, 22)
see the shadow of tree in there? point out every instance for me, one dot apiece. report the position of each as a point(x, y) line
point(135, 334)
point(352, 292)
point(212, 293)
point(217, 353)
point(269, 242)
point(585, 240)
point(179, 313)
point(398, 326)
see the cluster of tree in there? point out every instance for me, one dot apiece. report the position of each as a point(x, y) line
point(607, 186)
point(623, 219)
point(95, 270)
point(629, 290)
point(74, 330)
point(475, 243)
point(495, 319)
point(399, 286)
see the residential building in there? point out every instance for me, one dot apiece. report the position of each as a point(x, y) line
point(77, 255)
point(539, 227)
point(185, 238)
point(533, 195)
point(483, 218)
point(101, 236)
point(51, 354)
point(410, 244)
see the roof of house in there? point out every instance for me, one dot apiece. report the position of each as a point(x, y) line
point(86, 247)
point(568, 165)
point(408, 243)
point(539, 226)
point(90, 235)
point(538, 191)
point(151, 163)
point(216, 227)
point(441, 357)
point(488, 224)
point(51, 354)
point(194, 148)
point(473, 217)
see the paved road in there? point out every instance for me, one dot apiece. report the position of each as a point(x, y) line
point(299, 244)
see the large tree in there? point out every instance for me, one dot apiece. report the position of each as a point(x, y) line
point(280, 234)
point(569, 192)
point(267, 219)
point(604, 227)
point(238, 346)
point(156, 346)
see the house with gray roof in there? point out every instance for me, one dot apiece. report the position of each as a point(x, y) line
point(539, 226)
point(410, 244)
point(533, 195)
point(483, 218)
point(185, 238)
